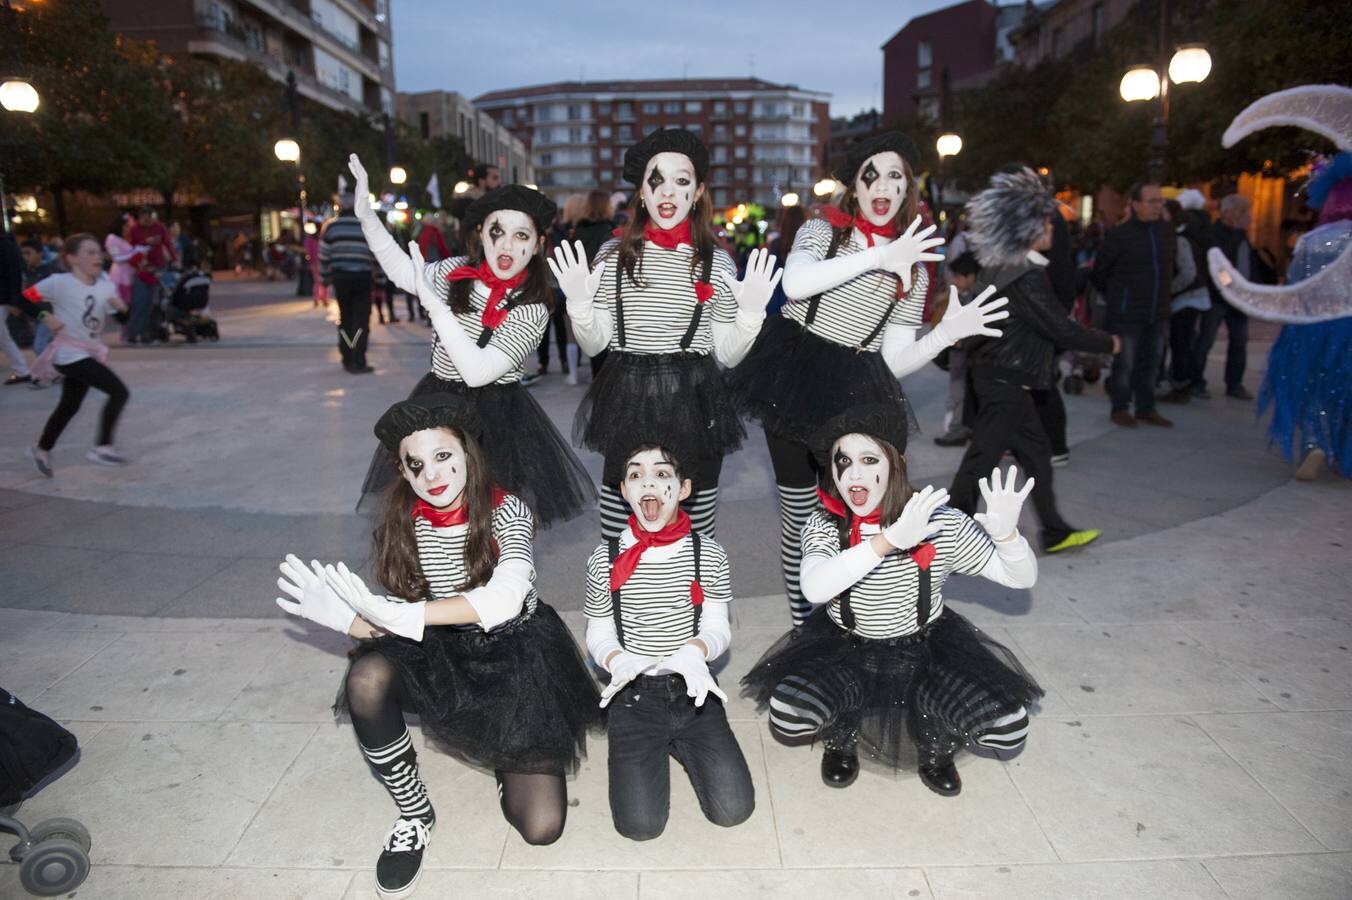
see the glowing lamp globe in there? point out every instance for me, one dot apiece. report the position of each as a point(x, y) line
point(461, 187)
point(287, 150)
point(1190, 64)
point(17, 95)
point(398, 175)
point(824, 188)
point(789, 199)
point(1140, 83)
point(948, 145)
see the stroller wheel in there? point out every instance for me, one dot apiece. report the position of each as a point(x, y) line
point(54, 867)
point(61, 827)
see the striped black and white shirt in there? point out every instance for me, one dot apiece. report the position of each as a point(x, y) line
point(342, 247)
point(655, 609)
point(848, 313)
point(885, 600)
point(441, 551)
point(517, 337)
point(658, 310)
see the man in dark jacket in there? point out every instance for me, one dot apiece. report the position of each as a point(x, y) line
point(1230, 234)
point(1011, 226)
point(1133, 269)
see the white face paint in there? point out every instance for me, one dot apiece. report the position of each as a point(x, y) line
point(652, 490)
point(669, 189)
point(880, 187)
point(433, 462)
point(510, 241)
point(861, 472)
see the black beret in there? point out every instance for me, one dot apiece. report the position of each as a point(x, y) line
point(859, 152)
point(665, 140)
point(423, 411)
point(511, 196)
point(880, 421)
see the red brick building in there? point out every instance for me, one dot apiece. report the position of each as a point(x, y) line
point(960, 39)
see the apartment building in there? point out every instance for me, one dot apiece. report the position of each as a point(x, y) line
point(437, 113)
point(338, 49)
point(764, 139)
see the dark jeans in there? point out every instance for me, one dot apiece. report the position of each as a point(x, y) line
point(1007, 419)
point(557, 322)
point(1236, 350)
point(652, 719)
point(1133, 372)
point(80, 376)
point(353, 290)
point(140, 325)
point(1186, 368)
point(1051, 409)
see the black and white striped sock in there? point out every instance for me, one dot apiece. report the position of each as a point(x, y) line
point(702, 507)
point(397, 766)
point(966, 708)
point(796, 503)
point(802, 707)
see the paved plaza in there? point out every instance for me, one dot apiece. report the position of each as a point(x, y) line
point(1195, 740)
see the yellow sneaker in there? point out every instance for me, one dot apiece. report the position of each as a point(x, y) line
point(1075, 539)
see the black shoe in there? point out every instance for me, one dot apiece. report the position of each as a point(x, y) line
point(942, 778)
point(955, 437)
point(16, 378)
point(400, 863)
point(359, 370)
point(839, 768)
point(1238, 393)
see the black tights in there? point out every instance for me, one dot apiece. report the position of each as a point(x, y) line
point(78, 378)
point(535, 805)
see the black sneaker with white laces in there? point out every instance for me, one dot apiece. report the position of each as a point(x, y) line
point(400, 864)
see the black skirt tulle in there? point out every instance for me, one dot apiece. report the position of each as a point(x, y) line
point(678, 400)
point(886, 678)
point(794, 381)
point(519, 698)
point(526, 453)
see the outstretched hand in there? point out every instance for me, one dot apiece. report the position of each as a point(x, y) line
point(911, 247)
point(975, 318)
point(757, 286)
point(575, 278)
point(314, 599)
point(394, 616)
point(361, 187)
point(913, 526)
point(1001, 518)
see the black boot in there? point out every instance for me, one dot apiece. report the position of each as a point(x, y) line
point(941, 776)
point(840, 761)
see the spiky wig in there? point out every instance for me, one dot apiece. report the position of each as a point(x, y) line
point(1007, 218)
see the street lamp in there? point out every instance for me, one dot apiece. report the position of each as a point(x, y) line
point(789, 199)
point(17, 95)
point(461, 187)
point(287, 150)
point(1191, 64)
point(1140, 83)
point(398, 175)
point(948, 144)
point(824, 188)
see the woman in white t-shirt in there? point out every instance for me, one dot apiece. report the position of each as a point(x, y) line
point(74, 305)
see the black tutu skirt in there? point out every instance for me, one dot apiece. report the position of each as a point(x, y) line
point(678, 400)
point(889, 689)
point(526, 453)
point(519, 698)
point(794, 381)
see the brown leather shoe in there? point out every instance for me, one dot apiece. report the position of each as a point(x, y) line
point(1154, 418)
point(1123, 418)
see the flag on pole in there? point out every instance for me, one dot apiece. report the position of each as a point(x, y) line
point(434, 191)
point(342, 184)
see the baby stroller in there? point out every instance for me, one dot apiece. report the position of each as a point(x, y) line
point(53, 855)
point(185, 310)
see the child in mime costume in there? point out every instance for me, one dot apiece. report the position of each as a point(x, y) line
point(883, 666)
point(465, 642)
point(665, 301)
point(657, 613)
point(488, 310)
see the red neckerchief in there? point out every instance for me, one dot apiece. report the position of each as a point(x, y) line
point(627, 561)
point(670, 239)
point(447, 518)
point(491, 317)
point(923, 554)
point(839, 218)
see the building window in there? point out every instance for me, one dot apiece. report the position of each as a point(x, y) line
point(720, 154)
point(574, 112)
point(739, 107)
point(576, 135)
point(507, 117)
point(739, 151)
point(739, 173)
point(624, 111)
point(922, 78)
point(720, 108)
point(542, 114)
point(604, 152)
point(923, 57)
point(1056, 43)
point(694, 128)
point(720, 132)
point(603, 109)
point(546, 159)
point(425, 125)
point(798, 110)
point(671, 106)
point(694, 106)
point(603, 131)
point(650, 108)
point(739, 130)
point(626, 133)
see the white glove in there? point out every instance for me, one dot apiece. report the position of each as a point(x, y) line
point(436, 308)
point(753, 292)
point(624, 668)
point(577, 281)
point(386, 613)
point(361, 188)
point(318, 602)
point(910, 247)
point(913, 526)
point(1001, 518)
point(965, 321)
point(690, 664)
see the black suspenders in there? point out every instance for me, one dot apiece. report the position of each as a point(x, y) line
point(487, 334)
point(815, 301)
point(689, 336)
point(613, 548)
point(922, 607)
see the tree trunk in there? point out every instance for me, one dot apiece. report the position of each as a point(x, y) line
point(167, 194)
point(59, 201)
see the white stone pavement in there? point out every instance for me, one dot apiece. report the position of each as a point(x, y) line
point(1195, 738)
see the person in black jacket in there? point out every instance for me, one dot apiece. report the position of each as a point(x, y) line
point(1231, 236)
point(1134, 269)
point(1011, 223)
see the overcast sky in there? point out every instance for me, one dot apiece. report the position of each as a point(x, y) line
point(833, 46)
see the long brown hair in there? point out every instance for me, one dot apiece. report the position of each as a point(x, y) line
point(535, 289)
point(701, 233)
point(849, 203)
point(396, 546)
point(899, 489)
